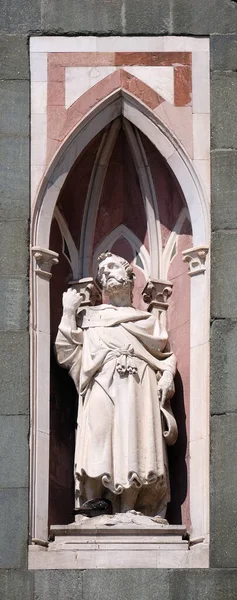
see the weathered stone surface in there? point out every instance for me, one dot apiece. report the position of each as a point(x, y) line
point(14, 451)
point(14, 531)
point(95, 17)
point(16, 584)
point(202, 584)
point(14, 57)
point(204, 17)
point(198, 584)
point(223, 549)
point(20, 17)
point(105, 584)
point(14, 248)
point(14, 115)
point(58, 585)
point(224, 274)
point(223, 109)
point(224, 52)
point(223, 367)
point(224, 189)
point(149, 17)
point(14, 303)
point(14, 380)
point(14, 177)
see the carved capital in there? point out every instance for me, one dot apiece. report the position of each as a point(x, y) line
point(88, 289)
point(156, 294)
point(44, 260)
point(196, 257)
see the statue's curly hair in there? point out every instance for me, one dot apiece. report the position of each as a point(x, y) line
point(125, 263)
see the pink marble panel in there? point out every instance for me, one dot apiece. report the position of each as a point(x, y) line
point(56, 94)
point(139, 89)
point(55, 72)
point(179, 120)
point(61, 122)
point(182, 86)
point(153, 59)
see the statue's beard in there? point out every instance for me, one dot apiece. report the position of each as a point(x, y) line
point(115, 286)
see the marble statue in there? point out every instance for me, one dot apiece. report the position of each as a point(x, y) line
point(124, 373)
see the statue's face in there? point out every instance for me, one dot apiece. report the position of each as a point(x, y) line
point(112, 272)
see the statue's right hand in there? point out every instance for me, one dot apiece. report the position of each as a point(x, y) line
point(71, 300)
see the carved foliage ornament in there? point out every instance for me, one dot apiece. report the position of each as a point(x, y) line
point(196, 258)
point(156, 294)
point(44, 260)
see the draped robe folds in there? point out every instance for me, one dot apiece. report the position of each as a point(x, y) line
point(115, 357)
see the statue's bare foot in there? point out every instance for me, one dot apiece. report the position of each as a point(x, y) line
point(160, 520)
point(134, 512)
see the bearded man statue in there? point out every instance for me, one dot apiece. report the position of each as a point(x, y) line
point(117, 356)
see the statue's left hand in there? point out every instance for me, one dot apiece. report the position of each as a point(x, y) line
point(71, 301)
point(165, 387)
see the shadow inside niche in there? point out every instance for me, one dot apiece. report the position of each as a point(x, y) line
point(63, 416)
point(176, 457)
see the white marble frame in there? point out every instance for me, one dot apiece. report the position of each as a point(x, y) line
point(118, 103)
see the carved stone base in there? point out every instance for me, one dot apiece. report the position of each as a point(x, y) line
point(128, 521)
point(117, 541)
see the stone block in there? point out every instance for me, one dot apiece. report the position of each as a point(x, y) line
point(104, 17)
point(16, 584)
point(14, 115)
point(224, 52)
point(223, 470)
point(14, 248)
point(58, 585)
point(14, 57)
point(147, 584)
point(224, 275)
point(146, 17)
point(202, 17)
point(21, 17)
point(203, 584)
point(14, 531)
point(14, 451)
point(14, 177)
point(14, 380)
point(223, 109)
point(223, 366)
point(224, 189)
point(14, 303)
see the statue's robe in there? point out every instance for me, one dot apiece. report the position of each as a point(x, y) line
point(115, 357)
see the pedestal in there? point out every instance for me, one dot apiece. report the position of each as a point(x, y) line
point(114, 542)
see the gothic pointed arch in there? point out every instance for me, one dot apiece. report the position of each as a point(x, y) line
point(120, 103)
point(103, 119)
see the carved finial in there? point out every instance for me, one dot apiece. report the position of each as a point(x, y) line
point(196, 257)
point(156, 294)
point(44, 259)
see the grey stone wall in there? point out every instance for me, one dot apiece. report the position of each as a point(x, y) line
point(18, 21)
